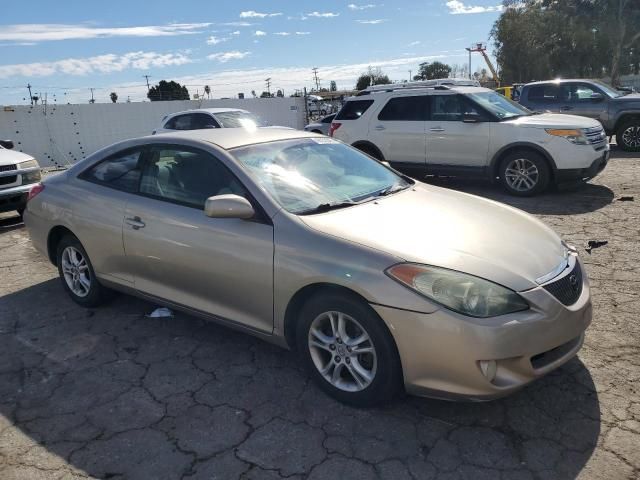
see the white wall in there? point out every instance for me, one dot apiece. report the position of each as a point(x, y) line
point(68, 133)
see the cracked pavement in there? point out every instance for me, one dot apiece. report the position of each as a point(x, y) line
point(109, 393)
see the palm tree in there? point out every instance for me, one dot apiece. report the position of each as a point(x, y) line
point(113, 96)
point(207, 90)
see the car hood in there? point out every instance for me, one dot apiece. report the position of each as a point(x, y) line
point(555, 120)
point(11, 157)
point(441, 227)
point(632, 99)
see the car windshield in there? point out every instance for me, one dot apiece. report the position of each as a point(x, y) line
point(608, 89)
point(500, 106)
point(235, 119)
point(310, 175)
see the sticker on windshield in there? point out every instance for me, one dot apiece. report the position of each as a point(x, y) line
point(324, 140)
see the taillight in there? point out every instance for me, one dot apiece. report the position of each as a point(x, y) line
point(334, 126)
point(35, 190)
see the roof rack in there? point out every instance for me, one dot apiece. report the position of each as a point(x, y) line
point(393, 87)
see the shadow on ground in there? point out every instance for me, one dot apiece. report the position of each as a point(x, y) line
point(118, 395)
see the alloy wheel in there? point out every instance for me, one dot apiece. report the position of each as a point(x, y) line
point(522, 175)
point(342, 351)
point(631, 136)
point(76, 271)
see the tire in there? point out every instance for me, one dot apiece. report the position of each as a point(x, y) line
point(524, 173)
point(326, 350)
point(628, 135)
point(372, 152)
point(71, 257)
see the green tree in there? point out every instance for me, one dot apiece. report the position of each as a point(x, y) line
point(333, 86)
point(279, 93)
point(373, 76)
point(168, 91)
point(207, 91)
point(266, 95)
point(113, 96)
point(430, 71)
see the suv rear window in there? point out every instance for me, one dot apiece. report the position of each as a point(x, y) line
point(353, 109)
point(412, 108)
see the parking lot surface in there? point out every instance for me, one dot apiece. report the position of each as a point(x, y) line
point(110, 393)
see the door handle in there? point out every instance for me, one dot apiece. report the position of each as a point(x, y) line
point(379, 127)
point(135, 222)
point(436, 129)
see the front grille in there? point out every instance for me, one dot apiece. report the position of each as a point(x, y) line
point(595, 135)
point(8, 180)
point(568, 289)
point(8, 168)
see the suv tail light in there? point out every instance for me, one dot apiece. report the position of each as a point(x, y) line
point(334, 126)
point(35, 190)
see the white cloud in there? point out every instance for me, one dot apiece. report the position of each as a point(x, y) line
point(236, 24)
point(456, 7)
point(282, 34)
point(237, 32)
point(51, 32)
point(353, 6)
point(321, 15)
point(259, 33)
point(413, 44)
point(303, 33)
point(372, 22)
point(213, 40)
point(108, 63)
point(254, 14)
point(224, 57)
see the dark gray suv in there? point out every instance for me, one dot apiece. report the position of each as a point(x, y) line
point(618, 113)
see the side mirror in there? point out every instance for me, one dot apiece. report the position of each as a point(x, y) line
point(471, 118)
point(228, 206)
point(8, 144)
point(597, 97)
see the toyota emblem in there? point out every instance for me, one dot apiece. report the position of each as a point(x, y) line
point(573, 281)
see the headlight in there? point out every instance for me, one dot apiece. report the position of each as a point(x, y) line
point(31, 177)
point(28, 164)
point(573, 135)
point(460, 292)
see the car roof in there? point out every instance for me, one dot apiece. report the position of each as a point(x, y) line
point(434, 90)
point(207, 110)
point(229, 138)
point(561, 80)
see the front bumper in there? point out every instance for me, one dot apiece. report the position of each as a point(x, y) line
point(583, 174)
point(441, 352)
point(14, 198)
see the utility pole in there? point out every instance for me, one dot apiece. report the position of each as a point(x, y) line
point(268, 82)
point(92, 99)
point(469, 50)
point(30, 96)
point(410, 76)
point(315, 76)
point(147, 77)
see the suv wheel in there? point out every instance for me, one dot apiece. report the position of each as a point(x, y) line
point(348, 351)
point(77, 275)
point(524, 173)
point(628, 135)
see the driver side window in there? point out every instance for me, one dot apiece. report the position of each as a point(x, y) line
point(186, 176)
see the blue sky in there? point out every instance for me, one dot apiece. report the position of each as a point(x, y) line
point(66, 47)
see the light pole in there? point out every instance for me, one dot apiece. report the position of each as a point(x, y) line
point(469, 50)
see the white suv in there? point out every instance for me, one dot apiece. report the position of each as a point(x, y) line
point(472, 131)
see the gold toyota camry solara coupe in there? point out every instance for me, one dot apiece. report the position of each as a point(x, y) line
point(380, 282)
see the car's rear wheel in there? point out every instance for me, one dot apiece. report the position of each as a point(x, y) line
point(348, 350)
point(524, 173)
point(77, 275)
point(628, 135)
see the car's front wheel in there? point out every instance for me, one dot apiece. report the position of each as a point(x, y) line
point(628, 135)
point(77, 275)
point(524, 173)
point(348, 350)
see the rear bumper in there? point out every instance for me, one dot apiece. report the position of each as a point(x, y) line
point(441, 352)
point(577, 174)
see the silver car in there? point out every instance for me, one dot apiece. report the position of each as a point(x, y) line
point(321, 126)
point(380, 282)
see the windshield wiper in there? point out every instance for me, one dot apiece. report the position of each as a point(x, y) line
point(326, 207)
point(390, 189)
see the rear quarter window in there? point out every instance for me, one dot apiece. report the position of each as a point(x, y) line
point(354, 109)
